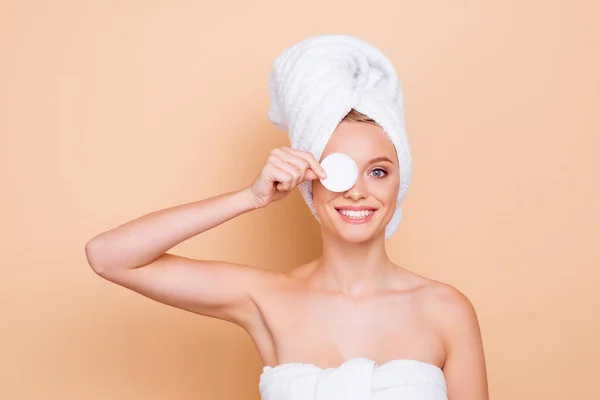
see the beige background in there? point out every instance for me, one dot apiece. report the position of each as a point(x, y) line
point(113, 109)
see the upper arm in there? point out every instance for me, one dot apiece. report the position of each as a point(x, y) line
point(211, 288)
point(464, 369)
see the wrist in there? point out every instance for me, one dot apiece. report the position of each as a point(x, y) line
point(248, 199)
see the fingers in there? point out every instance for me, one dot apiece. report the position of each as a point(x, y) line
point(294, 162)
point(293, 176)
point(315, 166)
point(289, 167)
point(309, 176)
point(303, 160)
point(275, 173)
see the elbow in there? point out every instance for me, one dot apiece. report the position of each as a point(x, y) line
point(93, 253)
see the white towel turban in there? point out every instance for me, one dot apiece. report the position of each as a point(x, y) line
point(315, 83)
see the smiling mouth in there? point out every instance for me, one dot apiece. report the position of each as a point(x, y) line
point(362, 214)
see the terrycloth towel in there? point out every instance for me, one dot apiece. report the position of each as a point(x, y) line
point(356, 379)
point(316, 82)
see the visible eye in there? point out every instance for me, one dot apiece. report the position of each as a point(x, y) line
point(378, 173)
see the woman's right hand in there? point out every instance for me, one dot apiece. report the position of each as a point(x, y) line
point(285, 169)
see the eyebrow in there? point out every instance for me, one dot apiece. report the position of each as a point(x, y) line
point(380, 159)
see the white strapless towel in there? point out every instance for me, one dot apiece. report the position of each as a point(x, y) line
point(356, 379)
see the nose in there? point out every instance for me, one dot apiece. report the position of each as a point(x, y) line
point(358, 191)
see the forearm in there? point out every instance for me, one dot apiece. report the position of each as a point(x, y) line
point(144, 239)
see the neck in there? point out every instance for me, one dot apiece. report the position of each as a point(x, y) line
point(353, 269)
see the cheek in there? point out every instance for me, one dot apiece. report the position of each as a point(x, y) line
point(386, 191)
point(320, 194)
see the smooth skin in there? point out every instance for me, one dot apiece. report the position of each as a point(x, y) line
point(351, 302)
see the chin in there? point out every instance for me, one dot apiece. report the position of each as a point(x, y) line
point(357, 232)
point(353, 236)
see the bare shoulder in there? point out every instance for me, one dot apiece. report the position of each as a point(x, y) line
point(444, 302)
point(432, 293)
point(448, 309)
point(451, 313)
point(445, 308)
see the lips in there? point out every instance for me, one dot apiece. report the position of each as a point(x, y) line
point(356, 214)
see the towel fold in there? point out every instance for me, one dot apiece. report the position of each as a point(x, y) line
point(315, 83)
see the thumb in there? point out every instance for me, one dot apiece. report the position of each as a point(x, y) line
point(310, 175)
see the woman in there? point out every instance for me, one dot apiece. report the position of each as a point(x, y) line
point(350, 324)
point(352, 302)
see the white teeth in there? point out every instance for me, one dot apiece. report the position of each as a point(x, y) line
point(356, 214)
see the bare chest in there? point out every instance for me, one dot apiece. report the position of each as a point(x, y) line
point(326, 330)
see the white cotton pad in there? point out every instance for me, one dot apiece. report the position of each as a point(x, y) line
point(341, 170)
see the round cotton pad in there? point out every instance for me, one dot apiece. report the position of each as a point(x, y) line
point(341, 170)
